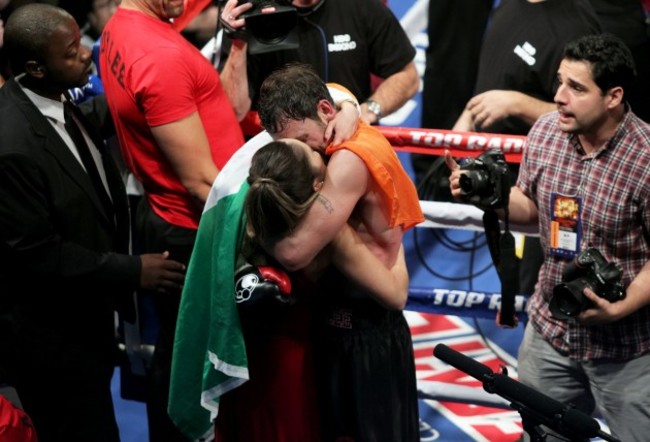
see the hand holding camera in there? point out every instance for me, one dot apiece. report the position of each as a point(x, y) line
point(483, 181)
point(590, 270)
point(232, 17)
point(267, 25)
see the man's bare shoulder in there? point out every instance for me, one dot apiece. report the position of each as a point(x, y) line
point(346, 159)
point(346, 172)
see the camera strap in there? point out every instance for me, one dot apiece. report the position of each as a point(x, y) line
point(502, 250)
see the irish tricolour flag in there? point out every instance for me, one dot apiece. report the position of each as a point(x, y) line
point(209, 353)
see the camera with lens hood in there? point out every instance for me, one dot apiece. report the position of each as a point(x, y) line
point(486, 182)
point(270, 26)
point(588, 270)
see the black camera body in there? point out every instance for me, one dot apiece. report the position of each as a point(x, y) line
point(270, 25)
point(486, 184)
point(588, 270)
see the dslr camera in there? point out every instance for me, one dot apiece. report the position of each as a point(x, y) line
point(588, 270)
point(270, 26)
point(486, 184)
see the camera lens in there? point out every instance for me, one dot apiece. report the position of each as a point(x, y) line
point(272, 28)
point(568, 300)
point(474, 182)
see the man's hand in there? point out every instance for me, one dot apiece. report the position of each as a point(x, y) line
point(490, 107)
point(601, 311)
point(344, 124)
point(160, 273)
point(454, 178)
point(230, 16)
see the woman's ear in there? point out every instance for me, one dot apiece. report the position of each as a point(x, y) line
point(318, 184)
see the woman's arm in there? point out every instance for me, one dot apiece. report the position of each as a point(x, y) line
point(352, 257)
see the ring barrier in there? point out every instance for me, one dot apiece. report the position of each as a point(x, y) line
point(479, 304)
point(446, 215)
point(474, 303)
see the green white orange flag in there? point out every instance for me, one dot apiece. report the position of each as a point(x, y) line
point(209, 356)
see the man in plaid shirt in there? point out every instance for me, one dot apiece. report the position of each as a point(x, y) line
point(590, 156)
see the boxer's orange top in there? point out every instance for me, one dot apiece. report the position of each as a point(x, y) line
point(398, 192)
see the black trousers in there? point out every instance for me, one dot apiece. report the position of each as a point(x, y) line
point(66, 392)
point(155, 235)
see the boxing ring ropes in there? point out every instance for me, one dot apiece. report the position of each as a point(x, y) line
point(476, 303)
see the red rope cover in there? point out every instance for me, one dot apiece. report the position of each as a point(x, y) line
point(460, 144)
point(433, 141)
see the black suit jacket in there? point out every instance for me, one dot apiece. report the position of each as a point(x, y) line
point(64, 263)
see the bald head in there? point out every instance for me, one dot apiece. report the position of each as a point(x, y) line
point(29, 31)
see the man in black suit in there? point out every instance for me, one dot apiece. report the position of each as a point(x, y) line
point(64, 237)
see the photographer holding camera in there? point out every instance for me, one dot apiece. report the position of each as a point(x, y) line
point(584, 179)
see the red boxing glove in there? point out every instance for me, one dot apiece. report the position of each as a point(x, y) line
point(279, 277)
point(260, 285)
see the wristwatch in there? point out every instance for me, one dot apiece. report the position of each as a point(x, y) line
point(374, 107)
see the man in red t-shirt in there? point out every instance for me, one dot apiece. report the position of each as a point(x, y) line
point(176, 127)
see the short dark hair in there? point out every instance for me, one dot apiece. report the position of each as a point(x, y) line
point(291, 92)
point(29, 31)
point(611, 60)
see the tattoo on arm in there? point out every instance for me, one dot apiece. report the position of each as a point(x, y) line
point(326, 203)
